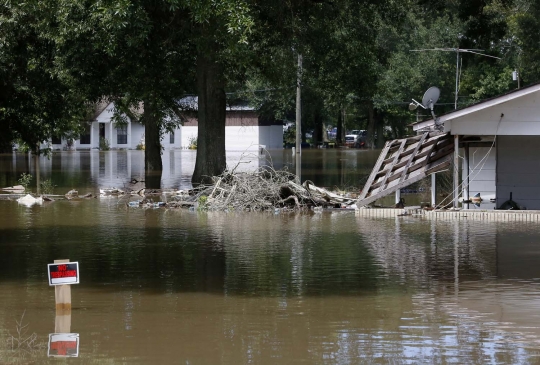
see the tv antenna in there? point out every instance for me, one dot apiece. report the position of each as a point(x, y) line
point(428, 101)
point(458, 51)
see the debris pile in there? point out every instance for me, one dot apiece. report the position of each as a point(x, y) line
point(265, 189)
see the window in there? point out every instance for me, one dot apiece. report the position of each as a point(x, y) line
point(171, 140)
point(56, 140)
point(121, 134)
point(85, 134)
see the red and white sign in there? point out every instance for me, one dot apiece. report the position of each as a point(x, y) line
point(63, 345)
point(64, 273)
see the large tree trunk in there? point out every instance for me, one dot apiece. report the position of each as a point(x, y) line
point(379, 143)
point(340, 133)
point(318, 131)
point(153, 166)
point(211, 160)
point(371, 127)
point(5, 145)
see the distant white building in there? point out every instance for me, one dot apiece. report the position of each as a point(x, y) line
point(244, 130)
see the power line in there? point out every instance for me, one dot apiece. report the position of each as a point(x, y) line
point(458, 51)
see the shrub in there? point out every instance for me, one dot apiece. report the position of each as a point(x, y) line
point(47, 187)
point(25, 181)
point(104, 144)
point(192, 143)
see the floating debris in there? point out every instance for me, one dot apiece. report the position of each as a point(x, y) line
point(28, 200)
point(15, 189)
point(111, 191)
point(72, 194)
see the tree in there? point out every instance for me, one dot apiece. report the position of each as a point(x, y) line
point(135, 53)
point(220, 34)
point(524, 40)
point(35, 105)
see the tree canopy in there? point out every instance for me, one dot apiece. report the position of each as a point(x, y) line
point(363, 62)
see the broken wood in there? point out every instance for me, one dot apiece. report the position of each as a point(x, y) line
point(406, 161)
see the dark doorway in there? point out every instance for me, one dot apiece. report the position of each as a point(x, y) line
point(101, 130)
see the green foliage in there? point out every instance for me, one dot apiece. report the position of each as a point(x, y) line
point(289, 136)
point(35, 102)
point(192, 143)
point(25, 180)
point(47, 186)
point(104, 144)
point(23, 146)
point(59, 57)
point(202, 201)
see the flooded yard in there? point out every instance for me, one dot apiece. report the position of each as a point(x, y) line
point(162, 286)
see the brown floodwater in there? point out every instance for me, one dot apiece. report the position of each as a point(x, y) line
point(164, 286)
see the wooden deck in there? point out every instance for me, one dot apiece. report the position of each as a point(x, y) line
point(406, 161)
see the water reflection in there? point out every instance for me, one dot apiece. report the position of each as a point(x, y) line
point(174, 286)
point(94, 169)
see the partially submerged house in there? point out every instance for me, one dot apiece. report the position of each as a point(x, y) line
point(496, 142)
point(245, 129)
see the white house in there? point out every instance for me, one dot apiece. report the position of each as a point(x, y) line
point(244, 130)
point(498, 142)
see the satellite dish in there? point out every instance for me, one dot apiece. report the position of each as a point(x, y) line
point(430, 97)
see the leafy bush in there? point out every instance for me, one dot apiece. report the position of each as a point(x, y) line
point(47, 187)
point(104, 144)
point(25, 181)
point(192, 143)
point(203, 200)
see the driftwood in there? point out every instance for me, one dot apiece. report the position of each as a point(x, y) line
point(265, 189)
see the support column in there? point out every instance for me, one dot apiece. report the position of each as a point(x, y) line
point(456, 258)
point(456, 171)
point(398, 195)
point(466, 174)
point(433, 190)
point(111, 133)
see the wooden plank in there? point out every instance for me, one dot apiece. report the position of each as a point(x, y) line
point(62, 296)
point(396, 158)
point(432, 149)
point(411, 158)
point(427, 154)
point(376, 168)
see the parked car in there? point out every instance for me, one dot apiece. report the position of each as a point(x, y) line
point(356, 138)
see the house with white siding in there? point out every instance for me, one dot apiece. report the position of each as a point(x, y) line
point(245, 129)
point(497, 142)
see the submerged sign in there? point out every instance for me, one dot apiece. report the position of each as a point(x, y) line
point(64, 273)
point(63, 345)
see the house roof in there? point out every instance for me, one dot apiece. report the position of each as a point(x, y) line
point(187, 103)
point(511, 95)
point(192, 103)
point(98, 108)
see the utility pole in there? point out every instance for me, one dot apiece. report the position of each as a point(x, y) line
point(299, 120)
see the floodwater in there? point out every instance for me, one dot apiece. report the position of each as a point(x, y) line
point(164, 286)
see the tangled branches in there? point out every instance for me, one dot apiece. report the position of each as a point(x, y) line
point(262, 190)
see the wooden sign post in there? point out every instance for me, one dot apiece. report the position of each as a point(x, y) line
point(62, 274)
